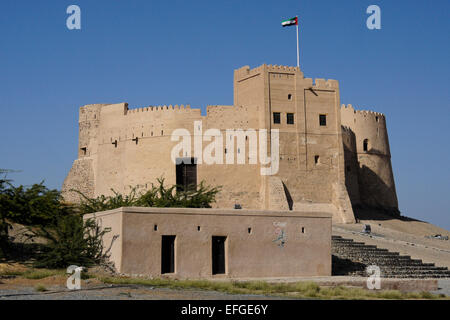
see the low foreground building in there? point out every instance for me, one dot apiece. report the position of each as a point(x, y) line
point(205, 243)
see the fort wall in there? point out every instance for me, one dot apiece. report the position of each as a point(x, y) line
point(321, 164)
point(370, 146)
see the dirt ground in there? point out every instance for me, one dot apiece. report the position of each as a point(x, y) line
point(92, 289)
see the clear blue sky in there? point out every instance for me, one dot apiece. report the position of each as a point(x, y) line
point(184, 52)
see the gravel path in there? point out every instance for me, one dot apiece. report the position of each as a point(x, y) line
point(444, 287)
point(121, 292)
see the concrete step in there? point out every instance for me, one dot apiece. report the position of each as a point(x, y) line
point(353, 257)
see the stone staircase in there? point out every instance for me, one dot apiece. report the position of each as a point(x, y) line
point(352, 258)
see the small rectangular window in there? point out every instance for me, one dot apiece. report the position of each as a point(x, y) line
point(323, 119)
point(276, 117)
point(290, 118)
point(316, 159)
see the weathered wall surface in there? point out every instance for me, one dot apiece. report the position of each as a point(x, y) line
point(81, 178)
point(279, 244)
point(112, 240)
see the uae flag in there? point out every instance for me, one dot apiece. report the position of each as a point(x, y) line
point(290, 22)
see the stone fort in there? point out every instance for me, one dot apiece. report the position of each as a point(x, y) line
point(332, 158)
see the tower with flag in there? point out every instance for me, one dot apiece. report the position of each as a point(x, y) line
point(293, 22)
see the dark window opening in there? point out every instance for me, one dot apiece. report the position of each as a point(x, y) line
point(348, 169)
point(376, 118)
point(323, 119)
point(303, 229)
point(168, 254)
point(365, 144)
point(316, 159)
point(155, 227)
point(186, 174)
point(152, 133)
point(162, 132)
point(218, 255)
point(198, 228)
point(276, 117)
point(289, 96)
point(249, 230)
point(83, 151)
point(290, 118)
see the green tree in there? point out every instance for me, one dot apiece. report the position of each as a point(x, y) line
point(159, 195)
point(72, 241)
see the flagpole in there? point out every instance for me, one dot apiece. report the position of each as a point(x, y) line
point(298, 55)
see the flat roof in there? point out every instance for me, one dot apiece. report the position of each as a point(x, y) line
point(213, 211)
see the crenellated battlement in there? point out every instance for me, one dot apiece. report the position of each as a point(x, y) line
point(246, 72)
point(160, 108)
point(364, 113)
point(276, 68)
point(325, 84)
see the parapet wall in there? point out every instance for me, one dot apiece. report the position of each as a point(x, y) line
point(245, 71)
point(159, 108)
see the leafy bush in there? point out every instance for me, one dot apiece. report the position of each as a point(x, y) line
point(33, 207)
point(69, 238)
point(158, 196)
point(72, 241)
point(4, 225)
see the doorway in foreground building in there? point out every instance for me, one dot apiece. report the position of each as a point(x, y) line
point(218, 255)
point(167, 254)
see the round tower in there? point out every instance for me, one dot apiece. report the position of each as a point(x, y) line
point(373, 157)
